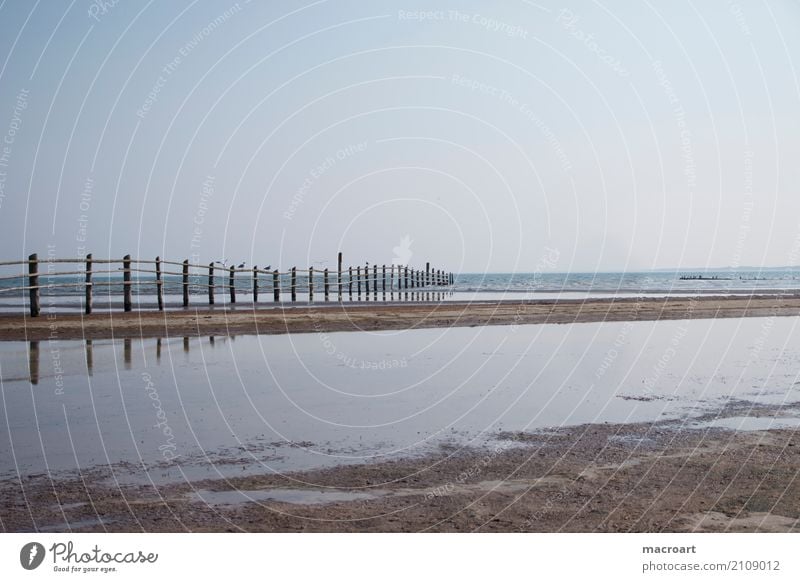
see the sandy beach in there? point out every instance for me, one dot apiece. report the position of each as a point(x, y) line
point(591, 478)
point(364, 316)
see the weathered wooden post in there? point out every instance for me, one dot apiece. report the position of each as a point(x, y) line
point(232, 283)
point(366, 279)
point(375, 281)
point(327, 287)
point(88, 284)
point(405, 277)
point(159, 285)
point(310, 284)
point(33, 283)
point(427, 274)
point(358, 281)
point(350, 282)
point(294, 284)
point(340, 276)
point(211, 283)
point(186, 283)
point(384, 280)
point(255, 284)
point(276, 286)
point(126, 283)
point(391, 279)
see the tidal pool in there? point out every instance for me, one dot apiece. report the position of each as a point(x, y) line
point(183, 408)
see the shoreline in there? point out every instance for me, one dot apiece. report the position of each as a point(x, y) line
point(334, 316)
point(665, 476)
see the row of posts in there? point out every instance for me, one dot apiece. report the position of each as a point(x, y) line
point(406, 279)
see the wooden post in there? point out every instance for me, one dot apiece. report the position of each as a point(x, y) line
point(327, 287)
point(350, 282)
point(340, 276)
point(33, 283)
point(126, 283)
point(276, 286)
point(391, 279)
point(255, 284)
point(231, 283)
point(366, 279)
point(375, 281)
point(294, 283)
point(427, 274)
point(88, 285)
point(310, 284)
point(159, 285)
point(358, 281)
point(186, 283)
point(384, 279)
point(211, 283)
point(406, 277)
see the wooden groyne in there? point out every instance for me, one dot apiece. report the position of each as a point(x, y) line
point(217, 278)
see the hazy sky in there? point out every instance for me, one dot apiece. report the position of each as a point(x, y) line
point(509, 136)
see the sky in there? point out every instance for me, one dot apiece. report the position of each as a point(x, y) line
point(481, 137)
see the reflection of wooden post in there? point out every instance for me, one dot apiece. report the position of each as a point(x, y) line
point(33, 362)
point(340, 276)
point(211, 283)
point(232, 283)
point(255, 284)
point(126, 283)
point(294, 283)
point(89, 357)
point(186, 283)
point(159, 285)
point(126, 352)
point(327, 287)
point(33, 283)
point(185, 345)
point(276, 286)
point(88, 284)
point(310, 284)
point(158, 349)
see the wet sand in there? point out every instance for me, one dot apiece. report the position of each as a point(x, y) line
point(365, 316)
point(651, 477)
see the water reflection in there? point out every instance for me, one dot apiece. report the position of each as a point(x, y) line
point(55, 351)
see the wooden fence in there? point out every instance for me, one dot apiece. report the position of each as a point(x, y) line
point(372, 278)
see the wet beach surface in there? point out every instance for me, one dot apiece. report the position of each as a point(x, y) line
point(623, 426)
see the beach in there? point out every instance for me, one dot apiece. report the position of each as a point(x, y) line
point(592, 478)
point(657, 425)
point(346, 316)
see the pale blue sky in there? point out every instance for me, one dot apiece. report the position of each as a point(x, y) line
point(623, 135)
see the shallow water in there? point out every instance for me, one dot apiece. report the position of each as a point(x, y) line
point(296, 496)
point(225, 406)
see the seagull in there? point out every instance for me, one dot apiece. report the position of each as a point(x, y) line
point(268, 267)
point(241, 266)
point(223, 262)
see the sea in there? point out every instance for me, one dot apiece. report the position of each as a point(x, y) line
point(66, 293)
